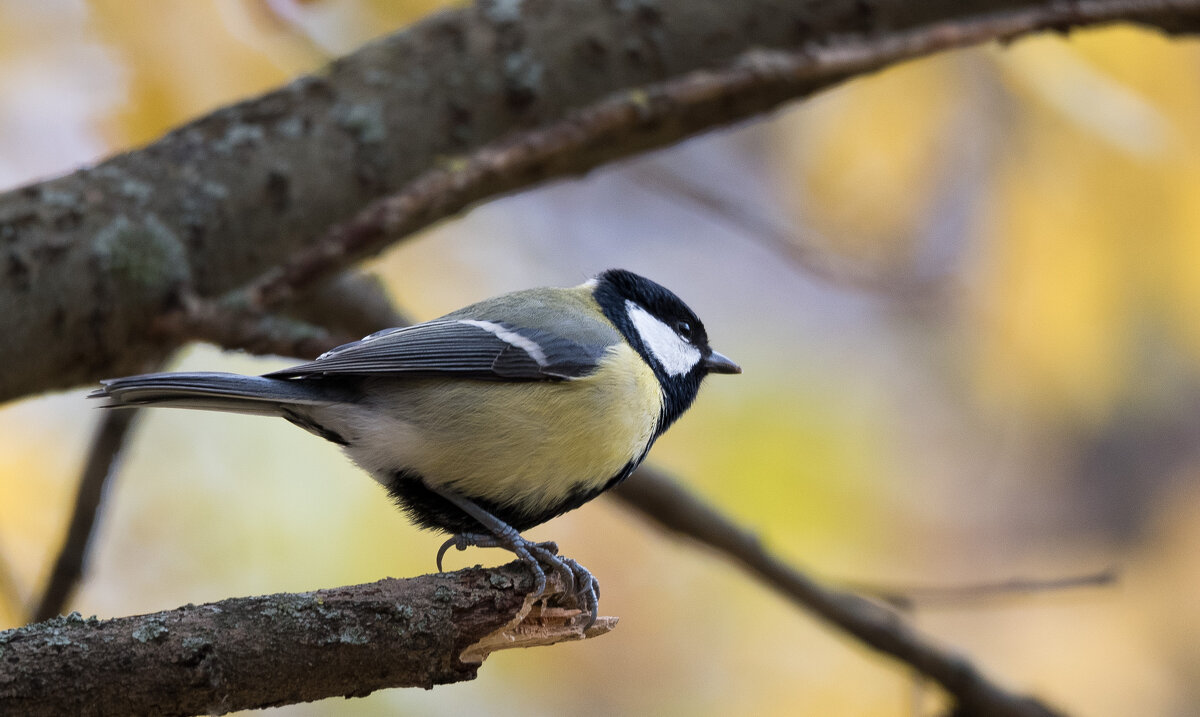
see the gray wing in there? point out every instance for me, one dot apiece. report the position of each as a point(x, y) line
point(460, 347)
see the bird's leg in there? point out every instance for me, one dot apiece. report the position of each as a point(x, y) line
point(578, 580)
point(462, 541)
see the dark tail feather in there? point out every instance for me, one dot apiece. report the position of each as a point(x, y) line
point(213, 392)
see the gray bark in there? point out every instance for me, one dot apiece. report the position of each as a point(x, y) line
point(253, 652)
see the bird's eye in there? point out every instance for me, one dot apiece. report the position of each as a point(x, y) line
point(684, 329)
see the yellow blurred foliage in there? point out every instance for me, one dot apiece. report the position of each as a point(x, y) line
point(37, 469)
point(1051, 318)
point(182, 61)
point(804, 468)
point(864, 157)
point(1087, 228)
point(187, 58)
point(1090, 213)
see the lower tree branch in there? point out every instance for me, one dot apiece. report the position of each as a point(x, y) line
point(244, 653)
point(667, 504)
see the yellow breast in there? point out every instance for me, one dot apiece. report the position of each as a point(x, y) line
point(529, 443)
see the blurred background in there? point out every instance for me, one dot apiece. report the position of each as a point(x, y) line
point(965, 292)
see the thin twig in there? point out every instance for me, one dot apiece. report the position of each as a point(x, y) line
point(341, 310)
point(669, 505)
point(233, 325)
point(915, 597)
point(108, 442)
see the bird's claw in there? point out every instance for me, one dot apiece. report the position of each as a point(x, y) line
point(579, 584)
point(577, 580)
point(462, 542)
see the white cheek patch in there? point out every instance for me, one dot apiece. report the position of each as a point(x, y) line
point(675, 355)
point(512, 338)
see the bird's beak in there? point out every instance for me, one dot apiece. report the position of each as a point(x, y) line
point(716, 363)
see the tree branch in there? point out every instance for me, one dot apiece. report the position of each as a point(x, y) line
point(647, 117)
point(667, 504)
point(93, 260)
point(252, 652)
point(913, 597)
point(232, 325)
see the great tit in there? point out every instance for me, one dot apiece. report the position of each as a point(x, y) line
point(491, 419)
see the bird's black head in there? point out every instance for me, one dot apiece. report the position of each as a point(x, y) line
point(665, 332)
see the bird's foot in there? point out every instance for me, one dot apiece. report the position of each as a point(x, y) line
point(580, 584)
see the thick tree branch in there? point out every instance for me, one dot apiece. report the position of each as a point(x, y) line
point(647, 117)
point(244, 653)
point(669, 505)
point(93, 260)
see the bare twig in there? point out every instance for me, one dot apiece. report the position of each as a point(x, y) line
point(914, 597)
point(669, 505)
point(243, 653)
point(103, 457)
point(343, 309)
point(232, 325)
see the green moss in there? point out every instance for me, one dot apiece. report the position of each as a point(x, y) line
point(238, 135)
point(353, 635)
point(150, 631)
point(364, 121)
point(502, 12)
point(195, 647)
point(523, 71)
point(59, 199)
point(144, 257)
point(291, 127)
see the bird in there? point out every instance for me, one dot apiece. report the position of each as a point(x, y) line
point(494, 418)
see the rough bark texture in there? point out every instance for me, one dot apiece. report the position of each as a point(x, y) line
point(90, 260)
point(278, 649)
